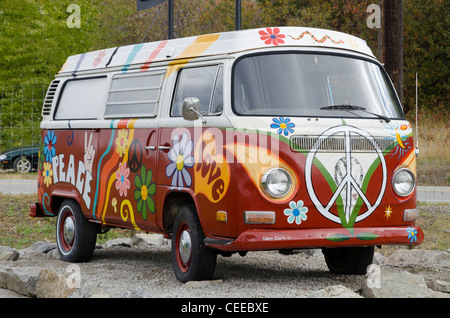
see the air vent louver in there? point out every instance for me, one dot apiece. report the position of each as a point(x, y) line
point(47, 107)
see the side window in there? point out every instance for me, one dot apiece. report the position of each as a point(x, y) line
point(135, 95)
point(81, 99)
point(205, 83)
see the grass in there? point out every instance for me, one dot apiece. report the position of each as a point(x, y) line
point(434, 148)
point(435, 223)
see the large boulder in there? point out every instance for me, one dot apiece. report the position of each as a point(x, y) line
point(53, 285)
point(402, 284)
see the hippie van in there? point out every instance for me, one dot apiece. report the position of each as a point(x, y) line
point(268, 139)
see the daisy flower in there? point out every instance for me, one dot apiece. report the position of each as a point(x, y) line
point(297, 212)
point(122, 182)
point(272, 36)
point(181, 158)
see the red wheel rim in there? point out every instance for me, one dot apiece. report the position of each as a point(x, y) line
point(67, 230)
point(183, 247)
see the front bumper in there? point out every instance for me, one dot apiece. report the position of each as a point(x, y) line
point(254, 240)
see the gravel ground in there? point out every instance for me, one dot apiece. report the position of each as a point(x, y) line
point(147, 272)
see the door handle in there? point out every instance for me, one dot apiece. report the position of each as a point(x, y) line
point(149, 147)
point(163, 148)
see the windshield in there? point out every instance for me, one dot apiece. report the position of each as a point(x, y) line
point(304, 84)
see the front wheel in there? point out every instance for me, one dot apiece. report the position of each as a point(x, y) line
point(75, 235)
point(191, 259)
point(349, 260)
point(22, 165)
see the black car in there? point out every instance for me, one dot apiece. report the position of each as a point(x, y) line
point(21, 159)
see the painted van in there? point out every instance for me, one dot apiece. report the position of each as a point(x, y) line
point(268, 139)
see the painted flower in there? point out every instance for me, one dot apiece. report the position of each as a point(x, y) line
point(144, 192)
point(122, 142)
point(297, 212)
point(99, 58)
point(122, 182)
point(47, 173)
point(412, 234)
point(284, 125)
point(272, 36)
point(181, 158)
point(40, 186)
point(41, 156)
point(49, 148)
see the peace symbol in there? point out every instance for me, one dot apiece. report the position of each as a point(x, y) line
point(347, 181)
point(135, 156)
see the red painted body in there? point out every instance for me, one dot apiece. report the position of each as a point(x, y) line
point(128, 185)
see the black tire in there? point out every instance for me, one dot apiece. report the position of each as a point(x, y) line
point(349, 260)
point(75, 235)
point(22, 165)
point(192, 260)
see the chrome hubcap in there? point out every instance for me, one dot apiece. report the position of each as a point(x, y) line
point(69, 230)
point(185, 246)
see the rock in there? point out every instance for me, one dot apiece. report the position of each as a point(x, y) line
point(22, 280)
point(416, 257)
point(6, 293)
point(52, 285)
point(442, 286)
point(38, 249)
point(395, 285)
point(439, 285)
point(337, 291)
point(143, 239)
point(125, 242)
point(437, 294)
point(90, 290)
point(8, 254)
point(378, 259)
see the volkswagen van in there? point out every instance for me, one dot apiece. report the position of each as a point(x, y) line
point(278, 138)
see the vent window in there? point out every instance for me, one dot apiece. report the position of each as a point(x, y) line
point(134, 95)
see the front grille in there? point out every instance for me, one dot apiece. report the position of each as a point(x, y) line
point(337, 144)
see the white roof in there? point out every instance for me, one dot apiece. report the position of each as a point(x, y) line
point(213, 44)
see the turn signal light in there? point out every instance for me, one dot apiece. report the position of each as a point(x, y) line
point(259, 217)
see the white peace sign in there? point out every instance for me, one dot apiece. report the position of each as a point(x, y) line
point(347, 181)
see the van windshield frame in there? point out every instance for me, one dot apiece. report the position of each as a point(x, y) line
point(308, 84)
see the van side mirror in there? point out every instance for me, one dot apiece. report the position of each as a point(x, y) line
point(191, 109)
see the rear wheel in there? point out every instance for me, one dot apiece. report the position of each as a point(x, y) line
point(349, 260)
point(75, 235)
point(191, 259)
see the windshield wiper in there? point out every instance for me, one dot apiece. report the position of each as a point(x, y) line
point(353, 107)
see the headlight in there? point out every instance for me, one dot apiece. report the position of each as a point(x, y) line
point(403, 182)
point(2, 157)
point(276, 182)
